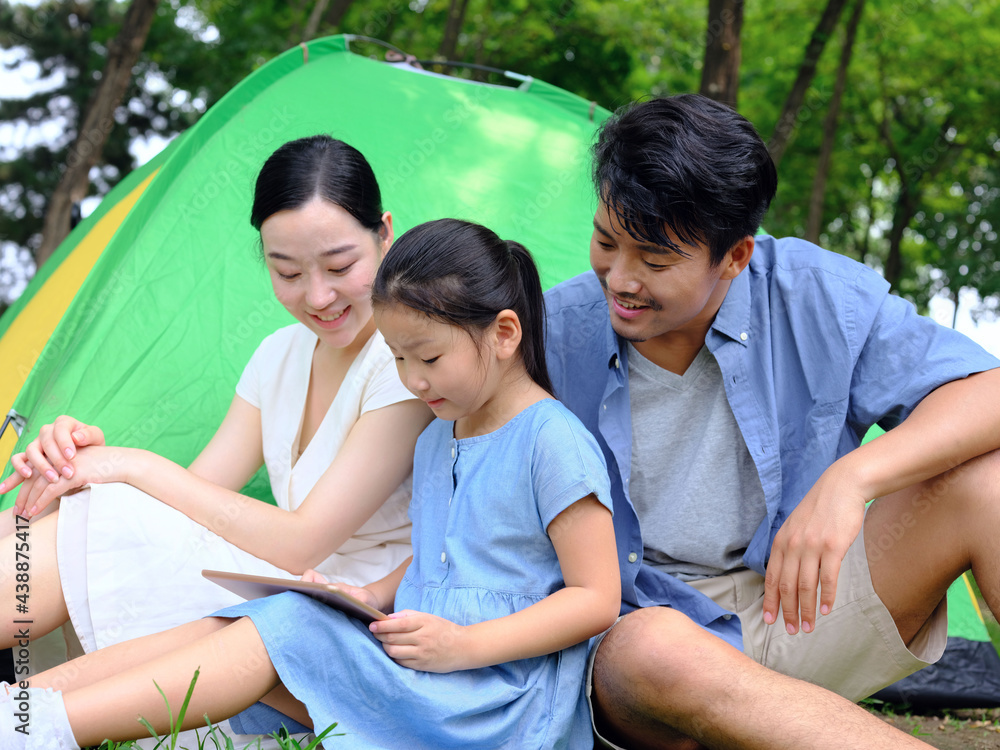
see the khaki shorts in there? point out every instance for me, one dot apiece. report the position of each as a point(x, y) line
point(854, 651)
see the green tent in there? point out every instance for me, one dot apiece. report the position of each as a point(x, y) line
point(156, 337)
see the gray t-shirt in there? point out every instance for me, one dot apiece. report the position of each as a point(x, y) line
point(694, 485)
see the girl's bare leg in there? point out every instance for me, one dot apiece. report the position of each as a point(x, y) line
point(30, 563)
point(288, 704)
point(107, 662)
point(235, 672)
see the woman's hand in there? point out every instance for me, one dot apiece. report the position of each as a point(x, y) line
point(311, 576)
point(51, 454)
point(421, 641)
point(93, 465)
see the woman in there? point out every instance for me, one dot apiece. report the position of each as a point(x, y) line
point(320, 403)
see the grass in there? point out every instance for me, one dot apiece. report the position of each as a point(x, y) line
point(214, 738)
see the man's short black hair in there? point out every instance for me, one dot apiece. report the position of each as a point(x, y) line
point(688, 163)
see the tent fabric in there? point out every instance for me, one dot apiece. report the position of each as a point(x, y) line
point(153, 344)
point(27, 325)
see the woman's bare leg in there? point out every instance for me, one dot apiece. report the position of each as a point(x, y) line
point(107, 662)
point(234, 673)
point(8, 520)
point(29, 570)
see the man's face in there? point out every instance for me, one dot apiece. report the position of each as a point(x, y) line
point(653, 293)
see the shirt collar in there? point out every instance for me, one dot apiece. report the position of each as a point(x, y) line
point(733, 318)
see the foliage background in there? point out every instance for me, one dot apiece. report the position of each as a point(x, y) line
point(915, 152)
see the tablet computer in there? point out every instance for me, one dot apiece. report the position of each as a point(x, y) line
point(257, 587)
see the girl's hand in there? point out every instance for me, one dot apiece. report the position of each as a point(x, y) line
point(421, 641)
point(50, 455)
point(94, 465)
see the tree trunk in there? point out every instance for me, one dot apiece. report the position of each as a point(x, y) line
point(336, 14)
point(309, 32)
point(901, 217)
point(793, 104)
point(456, 17)
point(720, 75)
point(96, 123)
point(815, 220)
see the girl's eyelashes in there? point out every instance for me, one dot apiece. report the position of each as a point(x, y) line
point(345, 269)
point(430, 361)
point(288, 276)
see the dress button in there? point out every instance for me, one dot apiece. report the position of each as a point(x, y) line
point(444, 557)
point(632, 557)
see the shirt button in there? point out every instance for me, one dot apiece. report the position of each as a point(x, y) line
point(727, 617)
point(444, 557)
point(453, 451)
point(605, 407)
point(632, 557)
point(618, 363)
point(743, 337)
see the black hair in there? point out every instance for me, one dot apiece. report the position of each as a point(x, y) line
point(463, 274)
point(301, 170)
point(688, 163)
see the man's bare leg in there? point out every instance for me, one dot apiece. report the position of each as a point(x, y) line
point(660, 681)
point(919, 540)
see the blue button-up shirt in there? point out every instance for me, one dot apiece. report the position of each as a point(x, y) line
point(813, 350)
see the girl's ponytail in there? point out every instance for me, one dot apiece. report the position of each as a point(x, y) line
point(532, 315)
point(463, 274)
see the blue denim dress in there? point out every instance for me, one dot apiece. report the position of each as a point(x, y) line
point(480, 510)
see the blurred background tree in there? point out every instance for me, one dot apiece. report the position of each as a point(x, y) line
point(889, 108)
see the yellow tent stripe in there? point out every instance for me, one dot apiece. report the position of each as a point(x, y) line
point(972, 594)
point(27, 335)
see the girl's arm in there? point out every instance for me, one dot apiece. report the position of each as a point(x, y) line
point(375, 458)
point(584, 540)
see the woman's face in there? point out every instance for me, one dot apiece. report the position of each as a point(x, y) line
point(322, 263)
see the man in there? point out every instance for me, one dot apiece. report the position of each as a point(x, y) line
point(729, 379)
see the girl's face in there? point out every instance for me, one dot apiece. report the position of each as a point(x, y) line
point(322, 263)
point(438, 363)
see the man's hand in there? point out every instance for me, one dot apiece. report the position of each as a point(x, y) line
point(51, 454)
point(421, 641)
point(809, 548)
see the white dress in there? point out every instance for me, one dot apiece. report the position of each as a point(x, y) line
point(131, 565)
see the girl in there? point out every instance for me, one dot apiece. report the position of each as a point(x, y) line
point(514, 563)
point(320, 403)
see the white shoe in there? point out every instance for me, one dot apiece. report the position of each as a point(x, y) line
point(34, 719)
